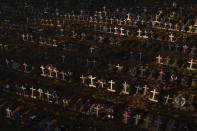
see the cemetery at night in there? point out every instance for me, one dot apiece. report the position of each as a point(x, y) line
point(98, 65)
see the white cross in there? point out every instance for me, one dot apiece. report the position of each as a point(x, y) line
point(91, 49)
point(97, 110)
point(127, 32)
point(128, 17)
point(32, 92)
point(91, 81)
point(159, 58)
point(191, 63)
point(25, 66)
point(110, 30)
point(121, 31)
point(139, 33)
point(170, 24)
point(23, 37)
point(125, 86)
point(111, 86)
point(40, 92)
point(23, 88)
point(138, 18)
point(50, 72)
point(48, 95)
point(171, 37)
point(137, 118)
point(8, 113)
point(27, 37)
point(115, 30)
point(153, 98)
point(56, 72)
point(142, 71)
point(137, 89)
point(43, 73)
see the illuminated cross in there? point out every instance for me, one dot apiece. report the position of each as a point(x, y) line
point(159, 58)
point(56, 72)
point(97, 110)
point(63, 75)
point(125, 87)
point(91, 81)
point(145, 89)
point(91, 49)
point(137, 89)
point(128, 17)
point(110, 30)
point(119, 67)
point(83, 79)
point(191, 63)
point(137, 118)
point(8, 113)
point(171, 37)
point(156, 18)
point(111, 86)
point(121, 31)
point(40, 92)
point(25, 66)
point(139, 33)
point(48, 95)
point(23, 88)
point(23, 37)
point(50, 72)
point(32, 92)
point(167, 99)
point(153, 98)
point(115, 30)
point(43, 73)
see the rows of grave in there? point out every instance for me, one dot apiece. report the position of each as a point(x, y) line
point(126, 119)
point(125, 90)
point(138, 73)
